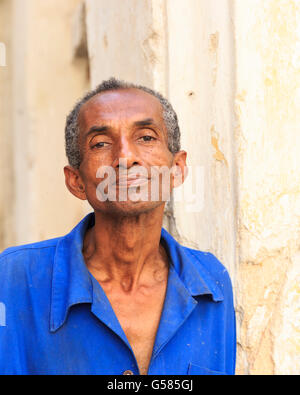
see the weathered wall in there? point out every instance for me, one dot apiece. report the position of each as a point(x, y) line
point(6, 164)
point(268, 162)
point(45, 82)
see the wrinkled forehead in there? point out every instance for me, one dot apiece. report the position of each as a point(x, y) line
point(123, 105)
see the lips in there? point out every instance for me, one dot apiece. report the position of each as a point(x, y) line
point(131, 181)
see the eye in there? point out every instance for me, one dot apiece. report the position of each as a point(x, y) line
point(148, 138)
point(101, 144)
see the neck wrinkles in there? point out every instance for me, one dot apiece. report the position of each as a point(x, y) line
point(125, 249)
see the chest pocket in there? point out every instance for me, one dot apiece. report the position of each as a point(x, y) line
point(201, 371)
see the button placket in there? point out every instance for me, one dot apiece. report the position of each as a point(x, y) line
point(128, 373)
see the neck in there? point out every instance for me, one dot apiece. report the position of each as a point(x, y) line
point(125, 249)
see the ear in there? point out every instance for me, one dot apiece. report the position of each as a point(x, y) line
point(74, 182)
point(180, 169)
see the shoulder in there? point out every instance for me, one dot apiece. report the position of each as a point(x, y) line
point(28, 254)
point(25, 272)
point(207, 260)
point(211, 265)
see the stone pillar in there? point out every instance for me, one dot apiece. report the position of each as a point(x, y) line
point(201, 88)
point(127, 40)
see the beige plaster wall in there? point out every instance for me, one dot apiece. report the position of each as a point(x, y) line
point(45, 82)
point(6, 164)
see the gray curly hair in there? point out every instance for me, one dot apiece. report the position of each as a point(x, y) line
point(72, 127)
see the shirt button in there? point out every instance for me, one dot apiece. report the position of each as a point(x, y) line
point(128, 373)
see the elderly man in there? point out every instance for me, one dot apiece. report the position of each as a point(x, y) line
point(117, 295)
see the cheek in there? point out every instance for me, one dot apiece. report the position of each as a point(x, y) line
point(90, 166)
point(158, 157)
point(88, 172)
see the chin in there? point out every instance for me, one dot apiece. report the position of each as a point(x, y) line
point(127, 208)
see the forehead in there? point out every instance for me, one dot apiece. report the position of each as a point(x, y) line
point(121, 105)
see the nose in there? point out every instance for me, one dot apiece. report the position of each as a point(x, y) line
point(126, 154)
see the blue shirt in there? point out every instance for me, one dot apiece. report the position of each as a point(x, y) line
point(56, 318)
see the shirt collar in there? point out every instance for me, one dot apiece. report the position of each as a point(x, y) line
point(72, 283)
point(190, 269)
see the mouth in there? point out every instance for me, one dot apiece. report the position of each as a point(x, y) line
point(124, 182)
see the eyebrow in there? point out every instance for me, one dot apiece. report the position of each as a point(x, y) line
point(103, 129)
point(96, 129)
point(145, 122)
point(148, 122)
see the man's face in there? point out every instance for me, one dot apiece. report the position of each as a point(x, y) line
point(123, 130)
